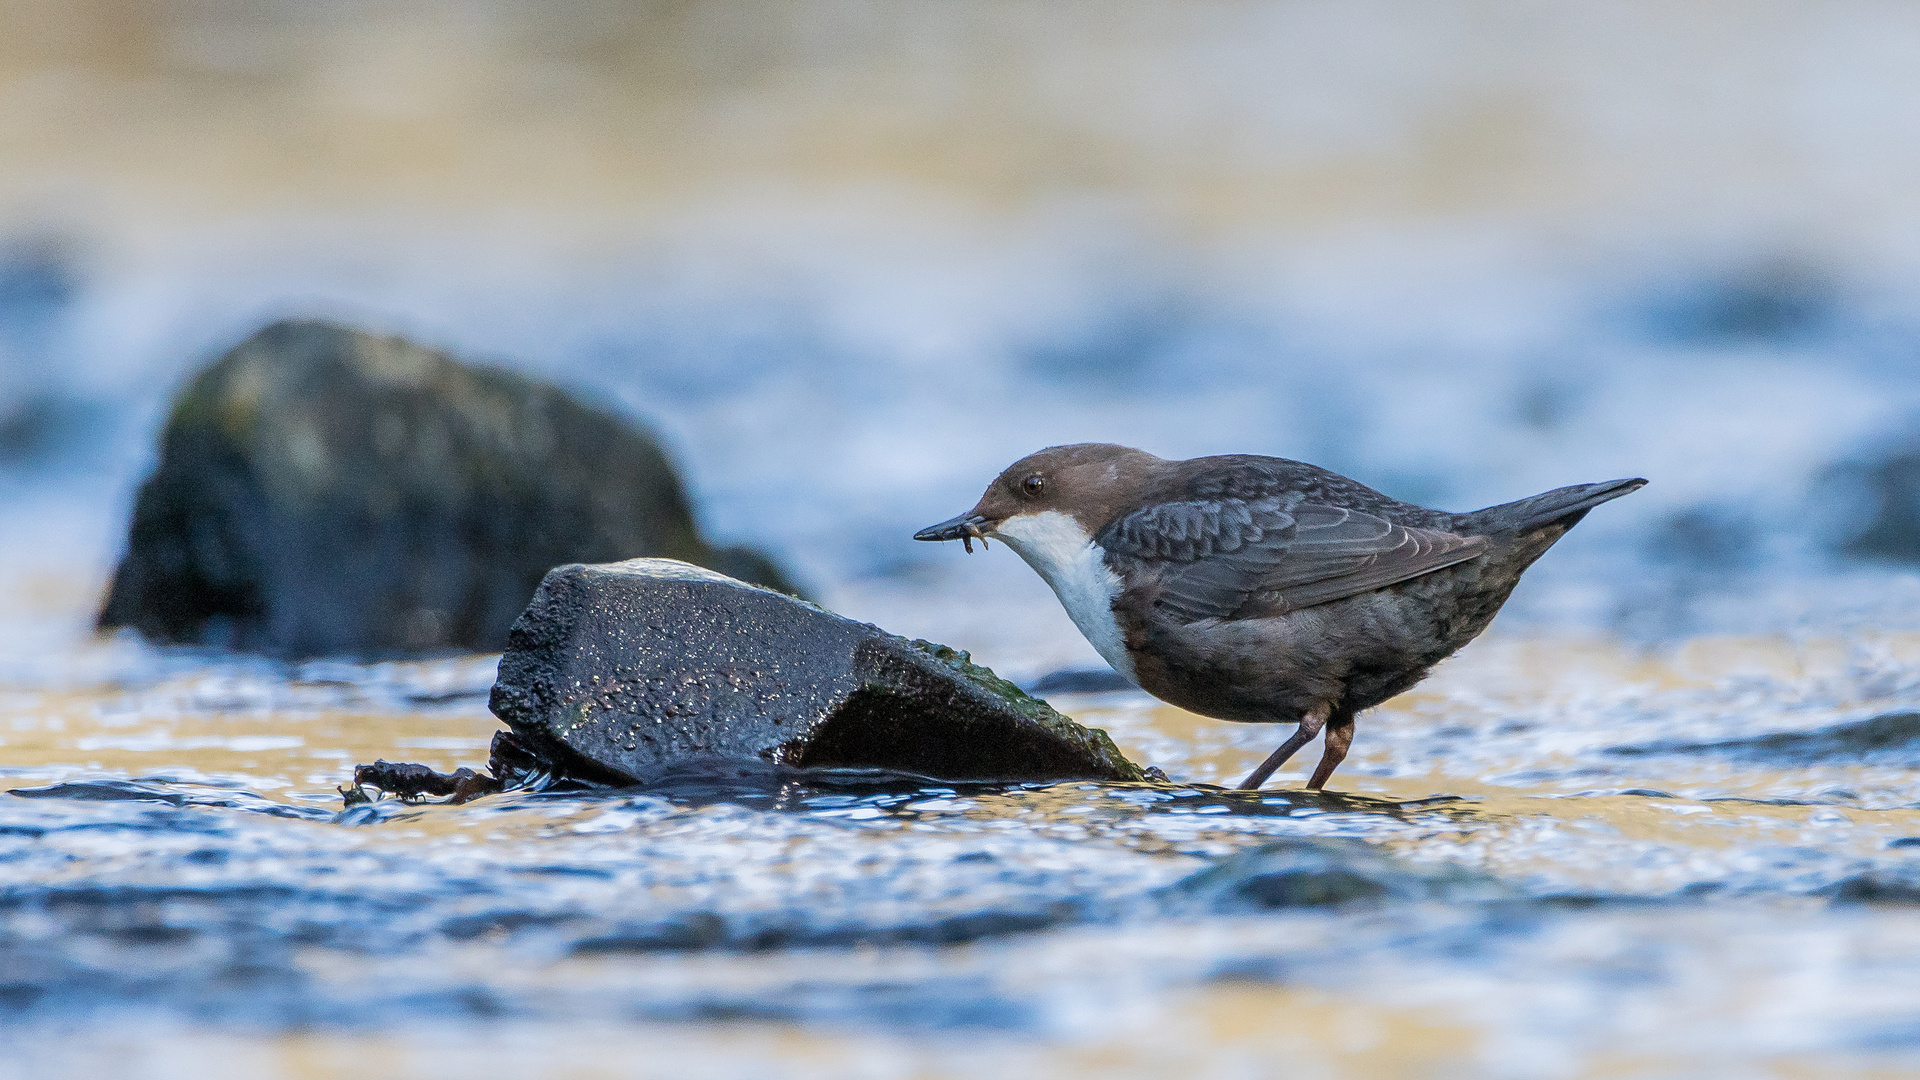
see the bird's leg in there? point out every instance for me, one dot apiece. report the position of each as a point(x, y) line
point(1310, 725)
point(1339, 738)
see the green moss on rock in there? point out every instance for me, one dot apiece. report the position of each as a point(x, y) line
point(1035, 709)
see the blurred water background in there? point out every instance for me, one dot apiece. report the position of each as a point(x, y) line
point(849, 260)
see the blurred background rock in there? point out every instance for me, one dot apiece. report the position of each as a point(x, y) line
point(322, 491)
point(850, 258)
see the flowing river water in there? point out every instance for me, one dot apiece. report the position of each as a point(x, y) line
point(848, 261)
point(1558, 857)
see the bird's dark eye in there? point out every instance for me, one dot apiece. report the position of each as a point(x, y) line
point(1033, 486)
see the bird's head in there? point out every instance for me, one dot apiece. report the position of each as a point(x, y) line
point(1088, 482)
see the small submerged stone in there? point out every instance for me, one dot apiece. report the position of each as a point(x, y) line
point(1874, 887)
point(410, 781)
point(509, 765)
point(1083, 681)
point(1894, 737)
point(1322, 872)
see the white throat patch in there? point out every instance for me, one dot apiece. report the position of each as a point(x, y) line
point(1061, 552)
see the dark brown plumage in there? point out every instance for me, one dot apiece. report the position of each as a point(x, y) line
point(1261, 589)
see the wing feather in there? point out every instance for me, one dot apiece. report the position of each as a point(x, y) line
point(1232, 558)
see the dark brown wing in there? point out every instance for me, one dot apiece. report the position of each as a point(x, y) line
point(1233, 559)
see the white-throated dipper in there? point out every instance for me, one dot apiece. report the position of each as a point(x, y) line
point(1260, 589)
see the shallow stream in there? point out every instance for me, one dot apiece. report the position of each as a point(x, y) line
point(1558, 857)
point(848, 261)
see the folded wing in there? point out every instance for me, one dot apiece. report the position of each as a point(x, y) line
point(1235, 559)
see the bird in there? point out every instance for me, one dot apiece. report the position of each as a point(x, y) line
point(1262, 589)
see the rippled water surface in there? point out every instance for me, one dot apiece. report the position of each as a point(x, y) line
point(848, 261)
point(1557, 858)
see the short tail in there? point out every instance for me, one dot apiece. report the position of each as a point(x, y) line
point(1561, 506)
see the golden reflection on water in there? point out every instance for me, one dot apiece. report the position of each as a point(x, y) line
point(277, 742)
point(288, 757)
point(1227, 1029)
point(1741, 813)
point(293, 742)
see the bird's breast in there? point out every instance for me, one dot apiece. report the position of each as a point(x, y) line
point(1062, 553)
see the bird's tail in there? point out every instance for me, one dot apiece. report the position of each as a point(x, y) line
point(1561, 506)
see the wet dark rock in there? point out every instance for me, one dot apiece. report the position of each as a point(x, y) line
point(1314, 872)
point(1896, 735)
point(625, 672)
point(321, 491)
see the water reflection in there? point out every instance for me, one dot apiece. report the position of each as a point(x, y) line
point(1521, 870)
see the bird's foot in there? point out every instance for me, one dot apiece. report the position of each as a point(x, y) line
point(1310, 725)
point(1339, 739)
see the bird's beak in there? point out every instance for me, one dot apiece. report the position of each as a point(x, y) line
point(966, 528)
